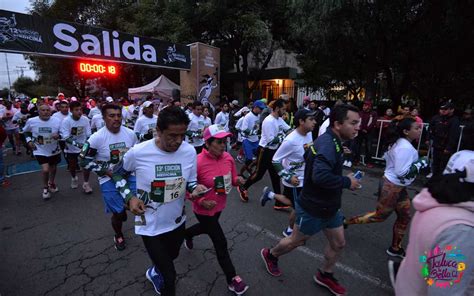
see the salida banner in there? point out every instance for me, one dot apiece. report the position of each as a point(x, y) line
point(22, 33)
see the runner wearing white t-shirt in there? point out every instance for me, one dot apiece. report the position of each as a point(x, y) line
point(6, 117)
point(274, 129)
point(402, 166)
point(20, 118)
point(222, 117)
point(101, 153)
point(75, 130)
point(250, 131)
point(145, 127)
point(42, 134)
point(165, 169)
point(61, 114)
point(290, 163)
point(97, 122)
point(196, 127)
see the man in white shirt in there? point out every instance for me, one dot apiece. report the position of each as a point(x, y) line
point(42, 134)
point(222, 117)
point(6, 117)
point(20, 119)
point(63, 111)
point(290, 163)
point(274, 130)
point(145, 127)
point(165, 169)
point(75, 130)
point(250, 129)
point(196, 127)
point(101, 153)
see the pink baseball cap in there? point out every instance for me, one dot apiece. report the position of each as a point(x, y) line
point(215, 131)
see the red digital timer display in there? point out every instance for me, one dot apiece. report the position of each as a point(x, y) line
point(97, 68)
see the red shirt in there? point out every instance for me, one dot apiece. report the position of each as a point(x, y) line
point(209, 167)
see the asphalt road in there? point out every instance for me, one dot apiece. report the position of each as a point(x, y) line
point(64, 246)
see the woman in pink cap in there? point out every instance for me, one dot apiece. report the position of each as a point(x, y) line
point(216, 170)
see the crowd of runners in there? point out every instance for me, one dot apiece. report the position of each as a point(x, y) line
point(151, 157)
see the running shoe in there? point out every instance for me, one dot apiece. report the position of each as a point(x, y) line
point(327, 280)
point(270, 264)
point(87, 188)
point(119, 243)
point(238, 286)
point(188, 244)
point(264, 198)
point(400, 253)
point(5, 183)
point(52, 187)
point(155, 278)
point(393, 267)
point(74, 182)
point(46, 194)
point(244, 195)
point(429, 175)
point(287, 233)
point(240, 159)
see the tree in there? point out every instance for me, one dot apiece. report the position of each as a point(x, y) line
point(4, 92)
point(24, 85)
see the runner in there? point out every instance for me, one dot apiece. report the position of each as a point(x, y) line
point(196, 127)
point(165, 169)
point(20, 118)
point(273, 133)
point(11, 127)
point(207, 119)
point(216, 170)
point(318, 205)
point(222, 117)
point(42, 134)
point(402, 166)
point(238, 129)
point(63, 111)
point(289, 163)
point(75, 130)
point(250, 129)
point(97, 121)
point(145, 127)
point(100, 154)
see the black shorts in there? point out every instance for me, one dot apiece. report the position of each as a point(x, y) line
point(72, 156)
point(51, 160)
point(291, 193)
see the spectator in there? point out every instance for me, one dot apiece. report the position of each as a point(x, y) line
point(365, 137)
point(313, 105)
point(444, 132)
point(415, 113)
point(305, 103)
point(404, 112)
point(3, 182)
point(467, 117)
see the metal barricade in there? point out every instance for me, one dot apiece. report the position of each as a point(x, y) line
point(419, 144)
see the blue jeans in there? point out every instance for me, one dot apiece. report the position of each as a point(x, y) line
point(2, 167)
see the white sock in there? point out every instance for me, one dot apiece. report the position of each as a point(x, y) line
point(271, 195)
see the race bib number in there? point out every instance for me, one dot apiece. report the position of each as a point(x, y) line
point(42, 140)
point(77, 131)
point(117, 151)
point(165, 191)
point(223, 184)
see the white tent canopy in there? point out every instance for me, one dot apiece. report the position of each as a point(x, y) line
point(162, 87)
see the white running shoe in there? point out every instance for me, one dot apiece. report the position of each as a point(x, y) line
point(53, 188)
point(74, 182)
point(429, 175)
point(87, 188)
point(46, 194)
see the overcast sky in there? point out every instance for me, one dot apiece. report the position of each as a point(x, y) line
point(14, 60)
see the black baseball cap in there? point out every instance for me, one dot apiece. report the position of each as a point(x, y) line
point(303, 114)
point(446, 105)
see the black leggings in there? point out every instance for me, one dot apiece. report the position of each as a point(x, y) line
point(210, 226)
point(117, 220)
point(264, 163)
point(163, 249)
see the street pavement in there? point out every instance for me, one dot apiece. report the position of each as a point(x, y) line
point(64, 246)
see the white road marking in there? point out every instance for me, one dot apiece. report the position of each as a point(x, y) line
point(354, 272)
